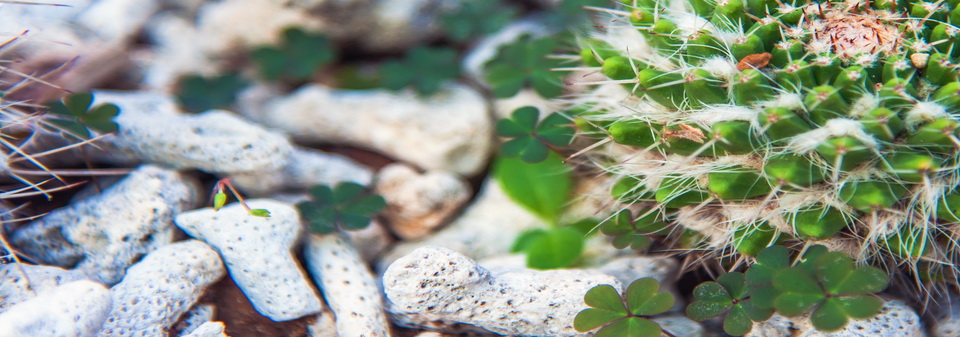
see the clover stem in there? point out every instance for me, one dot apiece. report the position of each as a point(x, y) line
point(226, 182)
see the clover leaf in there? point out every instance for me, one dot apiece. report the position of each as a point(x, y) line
point(348, 205)
point(630, 232)
point(530, 139)
point(525, 62)
point(74, 115)
point(298, 57)
point(425, 68)
point(760, 275)
point(831, 286)
point(624, 317)
point(476, 18)
point(730, 294)
point(198, 93)
point(550, 249)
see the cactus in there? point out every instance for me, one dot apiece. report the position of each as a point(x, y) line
point(756, 122)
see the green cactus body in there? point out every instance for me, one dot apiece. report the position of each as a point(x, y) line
point(766, 106)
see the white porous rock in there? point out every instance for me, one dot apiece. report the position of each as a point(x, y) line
point(948, 322)
point(14, 287)
point(401, 23)
point(488, 227)
point(438, 289)
point(419, 203)
point(214, 141)
point(209, 329)
point(347, 285)
point(75, 309)
point(160, 288)
point(195, 317)
point(679, 326)
point(304, 169)
point(109, 232)
point(896, 319)
point(263, 22)
point(257, 253)
point(126, 17)
point(449, 130)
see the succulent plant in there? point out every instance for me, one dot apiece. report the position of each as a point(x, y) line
point(756, 122)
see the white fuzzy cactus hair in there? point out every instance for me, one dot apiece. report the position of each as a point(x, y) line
point(749, 123)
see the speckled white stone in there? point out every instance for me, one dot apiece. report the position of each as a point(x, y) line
point(195, 317)
point(127, 17)
point(896, 319)
point(348, 286)
point(488, 227)
point(257, 253)
point(417, 203)
point(75, 309)
point(450, 130)
point(160, 288)
point(442, 290)
point(209, 329)
point(304, 169)
point(109, 232)
point(213, 141)
point(679, 326)
point(13, 285)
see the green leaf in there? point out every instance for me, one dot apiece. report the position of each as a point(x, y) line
point(796, 280)
point(260, 212)
point(526, 239)
point(630, 327)
point(219, 200)
point(530, 139)
point(653, 305)
point(737, 322)
point(198, 93)
point(299, 55)
point(829, 316)
point(735, 284)
point(860, 307)
point(348, 205)
point(755, 313)
point(763, 296)
point(605, 297)
point(424, 68)
point(476, 18)
point(704, 310)
point(524, 62)
point(542, 188)
point(558, 248)
point(793, 304)
point(590, 319)
point(712, 292)
point(75, 117)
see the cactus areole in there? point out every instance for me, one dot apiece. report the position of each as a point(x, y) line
point(787, 121)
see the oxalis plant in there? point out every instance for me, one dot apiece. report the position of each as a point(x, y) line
point(756, 123)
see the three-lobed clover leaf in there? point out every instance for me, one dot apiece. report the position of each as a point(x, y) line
point(627, 316)
point(75, 116)
point(476, 18)
point(630, 232)
point(425, 68)
point(523, 62)
point(730, 294)
point(530, 139)
point(348, 205)
point(760, 275)
point(198, 93)
point(298, 57)
point(831, 286)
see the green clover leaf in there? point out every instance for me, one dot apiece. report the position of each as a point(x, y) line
point(550, 249)
point(425, 68)
point(730, 294)
point(624, 317)
point(298, 57)
point(530, 139)
point(630, 232)
point(197, 93)
point(74, 116)
point(829, 284)
point(476, 18)
point(525, 62)
point(348, 205)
